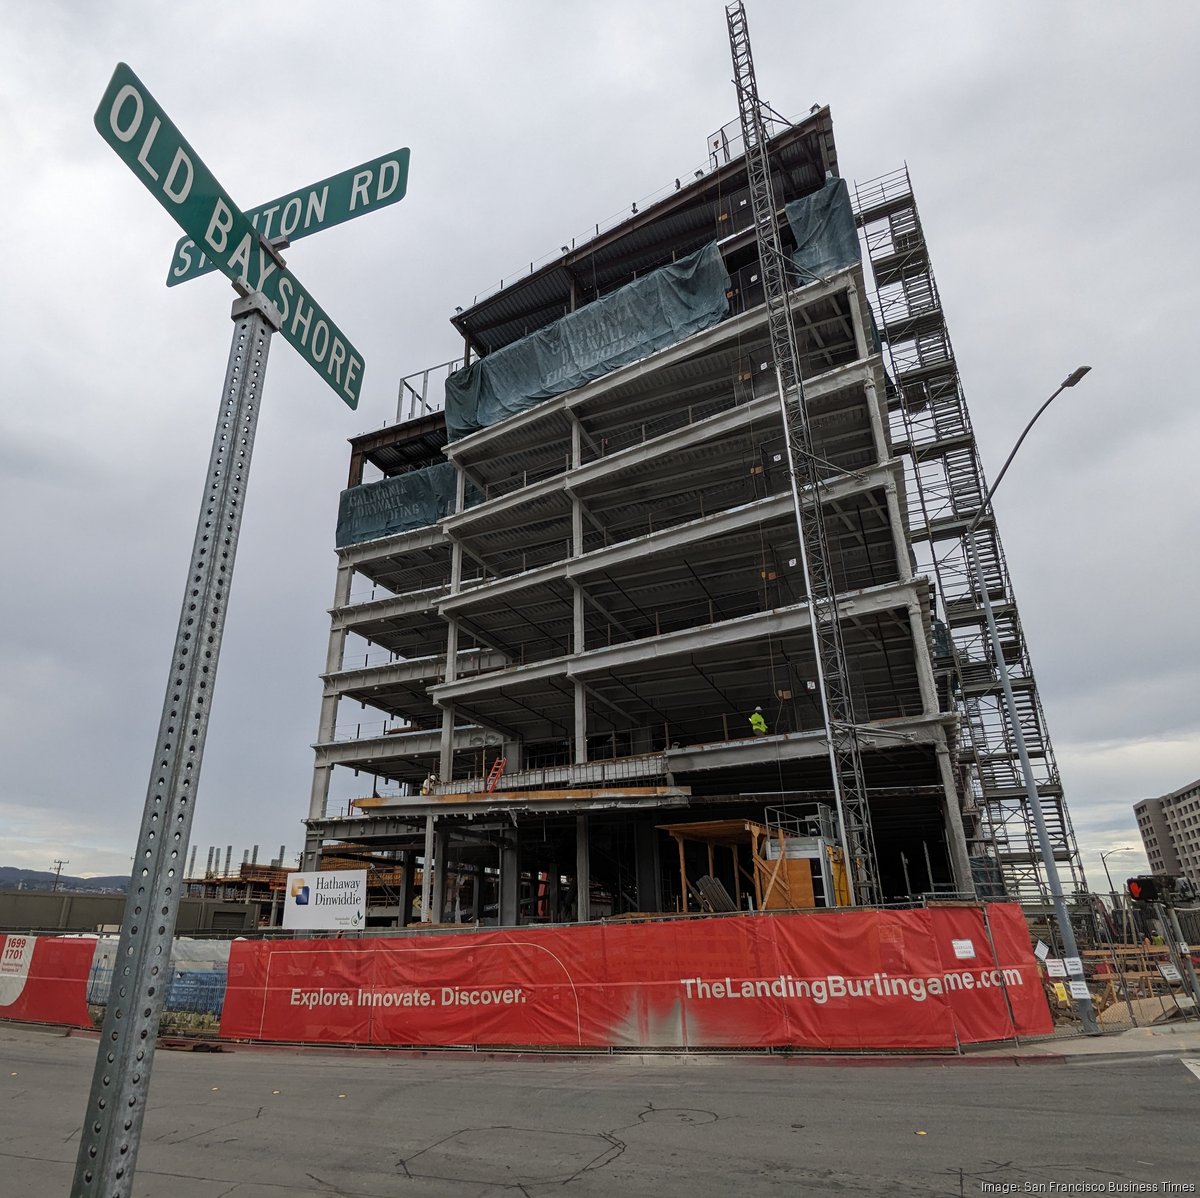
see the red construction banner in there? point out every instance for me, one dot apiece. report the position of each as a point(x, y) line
point(838, 979)
point(43, 979)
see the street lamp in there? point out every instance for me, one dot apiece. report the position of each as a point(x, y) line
point(1087, 1013)
point(1104, 862)
point(1111, 891)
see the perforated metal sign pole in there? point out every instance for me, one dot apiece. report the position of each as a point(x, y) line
point(112, 1125)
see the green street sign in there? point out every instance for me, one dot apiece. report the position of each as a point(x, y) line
point(362, 189)
point(135, 125)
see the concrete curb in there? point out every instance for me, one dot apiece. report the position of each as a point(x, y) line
point(1132, 1043)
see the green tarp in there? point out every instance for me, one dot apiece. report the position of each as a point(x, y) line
point(646, 315)
point(393, 505)
point(823, 225)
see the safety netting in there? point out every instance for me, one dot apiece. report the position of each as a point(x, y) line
point(644, 316)
point(394, 505)
point(826, 237)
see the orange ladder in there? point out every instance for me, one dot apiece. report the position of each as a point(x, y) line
point(494, 773)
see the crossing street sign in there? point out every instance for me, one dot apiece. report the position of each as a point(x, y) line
point(362, 189)
point(135, 125)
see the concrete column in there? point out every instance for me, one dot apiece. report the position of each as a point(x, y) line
point(578, 628)
point(477, 895)
point(310, 856)
point(441, 841)
point(925, 680)
point(456, 560)
point(583, 871)
point(897, 523)
point(510, 881)
point(318, 798)
point(956, 840)
point(862, 339)
point(879, 430)
point(576, 524)
point(578, 646)
point(451, 649)
point(342, 584)
point(581, 754)
point(407, 887)
point(446, 759)
point(327, 722)
point(427, 871)
point(514, 755)
point(649, 891)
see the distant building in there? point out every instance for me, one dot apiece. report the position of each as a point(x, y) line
point(1170, 828)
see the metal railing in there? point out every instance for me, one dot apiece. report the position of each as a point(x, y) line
point(415, 398)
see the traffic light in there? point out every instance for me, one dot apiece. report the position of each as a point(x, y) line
point(1143, 889)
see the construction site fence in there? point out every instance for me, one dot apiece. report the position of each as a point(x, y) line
point(921, 979)
point(1134, 981)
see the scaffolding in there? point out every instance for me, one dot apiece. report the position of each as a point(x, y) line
point(931, 430)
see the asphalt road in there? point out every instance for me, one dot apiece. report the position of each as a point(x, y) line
point(265, 1124)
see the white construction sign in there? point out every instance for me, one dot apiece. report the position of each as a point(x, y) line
point(329, 899)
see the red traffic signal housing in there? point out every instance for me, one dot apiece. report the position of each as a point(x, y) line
point(1143, 889)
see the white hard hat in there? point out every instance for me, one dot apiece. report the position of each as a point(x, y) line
point(759, 710)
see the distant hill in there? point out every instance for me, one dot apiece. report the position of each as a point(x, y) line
point(43, 879)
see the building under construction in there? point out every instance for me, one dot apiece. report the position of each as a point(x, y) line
point(656, 601)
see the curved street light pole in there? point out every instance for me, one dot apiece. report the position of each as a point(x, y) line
point(1104, 862)
point(1112, 894)
point(1087, 1012)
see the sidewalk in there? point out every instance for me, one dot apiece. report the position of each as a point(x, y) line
point(1175, 1039)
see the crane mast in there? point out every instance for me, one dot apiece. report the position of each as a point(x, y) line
point(833, 683)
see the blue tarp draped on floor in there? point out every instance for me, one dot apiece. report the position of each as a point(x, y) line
point(826, 238)
point(394, 505)
point(646, 315)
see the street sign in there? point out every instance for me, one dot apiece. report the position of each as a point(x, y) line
point(135, 125)
point(270, 299)
point(362, 189)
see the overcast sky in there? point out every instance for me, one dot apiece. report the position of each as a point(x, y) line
point(1053, 156)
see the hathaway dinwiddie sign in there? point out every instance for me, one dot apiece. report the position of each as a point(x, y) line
point(333, 900)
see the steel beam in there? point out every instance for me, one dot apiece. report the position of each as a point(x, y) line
point(769, 623)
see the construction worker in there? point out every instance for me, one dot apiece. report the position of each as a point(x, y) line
point(427, 787)
point(758, 723)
